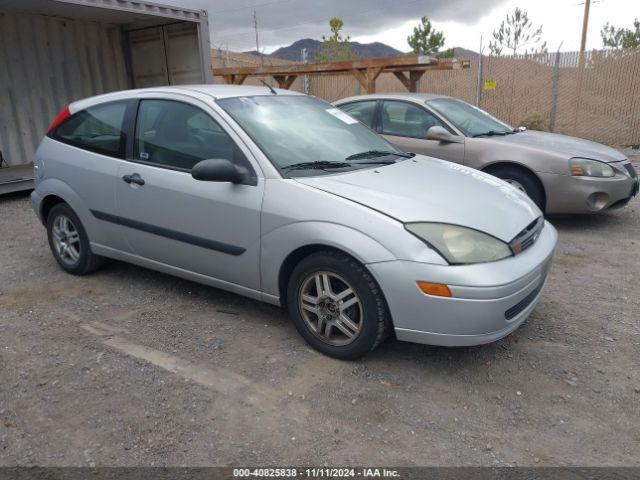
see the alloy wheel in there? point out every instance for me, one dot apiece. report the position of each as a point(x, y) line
point(331, 308)
point(66, 239)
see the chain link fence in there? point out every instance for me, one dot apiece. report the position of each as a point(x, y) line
point(594, 96)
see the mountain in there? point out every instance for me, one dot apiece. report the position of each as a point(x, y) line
point(464, 53)
point(364, 50)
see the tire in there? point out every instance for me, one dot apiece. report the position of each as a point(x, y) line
point(319, 316)
point(524, 181)
point(69, 242)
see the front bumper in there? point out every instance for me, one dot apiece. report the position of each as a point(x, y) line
point(569, 194)
point(489, 300)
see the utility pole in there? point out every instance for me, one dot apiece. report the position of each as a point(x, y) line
point(255, 27)
point(585, 24)
point(581, 61)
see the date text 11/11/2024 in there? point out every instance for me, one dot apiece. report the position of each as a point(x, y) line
point(325, 472)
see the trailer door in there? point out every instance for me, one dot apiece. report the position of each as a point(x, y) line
point(165, 55)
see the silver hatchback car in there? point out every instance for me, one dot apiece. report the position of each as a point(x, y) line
point(283, 198)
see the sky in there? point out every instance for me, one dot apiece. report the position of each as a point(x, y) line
point(281, 22)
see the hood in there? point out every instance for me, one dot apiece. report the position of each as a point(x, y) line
point(562, 144)
point(424, 189)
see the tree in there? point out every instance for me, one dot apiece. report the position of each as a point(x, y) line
point(426, 40)
point(621, 37)
point(517, 32)
point(335, 48)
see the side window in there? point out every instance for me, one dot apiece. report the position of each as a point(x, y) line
point(406, 120)
point(363, 111)
point(98, 129)
point(178, 135)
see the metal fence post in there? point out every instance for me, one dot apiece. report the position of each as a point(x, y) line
point(555, 75)
point(305, 79)
point(479, 79)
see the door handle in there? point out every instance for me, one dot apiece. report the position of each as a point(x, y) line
point(134, 178)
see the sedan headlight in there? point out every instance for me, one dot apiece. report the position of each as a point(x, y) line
point(460, 245)
point(583, 167)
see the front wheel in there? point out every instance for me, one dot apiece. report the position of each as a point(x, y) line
point(337, 306)
point(523, 181)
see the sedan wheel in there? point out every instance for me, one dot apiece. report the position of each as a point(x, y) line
point(524, 181)
point(515, 184)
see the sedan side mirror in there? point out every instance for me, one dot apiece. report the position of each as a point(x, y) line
point(218, 170)
point(442, 135)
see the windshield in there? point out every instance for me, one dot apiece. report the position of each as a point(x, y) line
point(469, 119)
point(302, 135)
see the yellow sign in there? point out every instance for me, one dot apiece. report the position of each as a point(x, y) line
point(489, 85)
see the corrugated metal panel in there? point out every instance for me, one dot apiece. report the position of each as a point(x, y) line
point(46, 64)
point(107, 11)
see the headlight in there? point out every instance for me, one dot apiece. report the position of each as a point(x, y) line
point(583, 167)
point(460, 244)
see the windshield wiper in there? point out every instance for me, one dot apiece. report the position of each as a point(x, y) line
point(491, 133)
point(379, 153)
point(320, 165)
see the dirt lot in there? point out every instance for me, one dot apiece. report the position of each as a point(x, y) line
point(132, 367)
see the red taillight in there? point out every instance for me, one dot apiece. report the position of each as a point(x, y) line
point(59, 119)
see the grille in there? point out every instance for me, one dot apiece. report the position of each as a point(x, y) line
point(631, 170)
point(514, 311)
point(527, 237)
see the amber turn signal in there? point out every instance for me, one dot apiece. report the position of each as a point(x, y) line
point(435, 289)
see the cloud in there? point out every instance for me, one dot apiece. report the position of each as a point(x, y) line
point(281, 22)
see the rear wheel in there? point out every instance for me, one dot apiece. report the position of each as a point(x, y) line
point(69, 242)
point(337, 306)
point(524, 181)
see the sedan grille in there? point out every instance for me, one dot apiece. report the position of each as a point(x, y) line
point(519, 307)
point(527, 237)
point(631, 170)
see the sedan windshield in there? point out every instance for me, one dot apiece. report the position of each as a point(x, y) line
point(305, 136)
point(472, 121)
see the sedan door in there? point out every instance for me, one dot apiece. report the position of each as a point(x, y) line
point(210, 228)
point(405, 125)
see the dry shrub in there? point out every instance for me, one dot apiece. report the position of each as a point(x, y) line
point(534, 121)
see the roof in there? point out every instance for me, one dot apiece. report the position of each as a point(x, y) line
point(424, 97)
point(198, 91)
point(128, 12)
point(227, 91)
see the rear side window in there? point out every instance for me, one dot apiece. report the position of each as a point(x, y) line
point(178, 135)
point(97, 129)
point(363, 111)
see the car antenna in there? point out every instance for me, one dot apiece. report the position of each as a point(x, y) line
point(269, 87)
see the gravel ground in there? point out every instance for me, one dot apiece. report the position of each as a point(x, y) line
point(132, 367)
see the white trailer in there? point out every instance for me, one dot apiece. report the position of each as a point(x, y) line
point(53, 52)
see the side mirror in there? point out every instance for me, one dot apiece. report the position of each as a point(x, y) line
point(441, 135)
point(218, 170)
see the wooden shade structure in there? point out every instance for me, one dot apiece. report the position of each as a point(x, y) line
point(408, 70)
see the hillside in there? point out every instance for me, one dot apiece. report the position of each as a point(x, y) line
point(364, 50)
